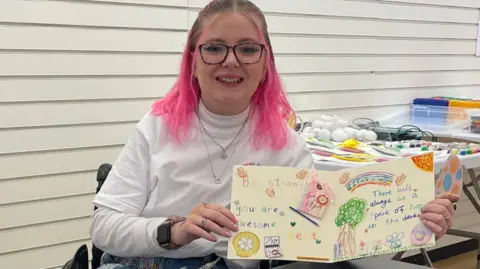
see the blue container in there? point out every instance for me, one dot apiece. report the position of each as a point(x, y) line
point(427, 111)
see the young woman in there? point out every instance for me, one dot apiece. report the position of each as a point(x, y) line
point(164, 202)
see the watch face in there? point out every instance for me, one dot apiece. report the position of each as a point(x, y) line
point(163, 233)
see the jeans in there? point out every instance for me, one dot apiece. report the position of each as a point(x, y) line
point(209, 262)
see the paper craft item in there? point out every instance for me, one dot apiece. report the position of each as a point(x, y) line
point(324, 216)
point(450, 178)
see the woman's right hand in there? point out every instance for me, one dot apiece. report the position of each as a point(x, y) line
point(204, 221)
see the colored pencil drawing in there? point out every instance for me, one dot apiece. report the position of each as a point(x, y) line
point(394, 240)
point(450, 178)
point(423, 162)
point(400, 179)
point(316, 197)
point(349, 217)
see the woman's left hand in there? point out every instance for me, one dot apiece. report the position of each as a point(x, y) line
point(438, 214)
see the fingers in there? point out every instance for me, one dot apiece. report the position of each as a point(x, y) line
point(191, 226)
point(220, 215)
point(435, 228)
point(225, 211)
point(206, 219)
point(442, 207)
point(449, 196)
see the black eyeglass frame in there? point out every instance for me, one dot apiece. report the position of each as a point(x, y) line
point(232, 48)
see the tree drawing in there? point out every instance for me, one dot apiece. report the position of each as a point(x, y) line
point(349, 217)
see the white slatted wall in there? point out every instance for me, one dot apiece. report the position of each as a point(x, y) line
point(75, 76)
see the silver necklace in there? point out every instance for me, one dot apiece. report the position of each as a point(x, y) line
point(217, 179)
point(224, 154)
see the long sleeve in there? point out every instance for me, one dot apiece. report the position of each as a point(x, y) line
point(297, 155)
point(114, 232)
point(117, 227)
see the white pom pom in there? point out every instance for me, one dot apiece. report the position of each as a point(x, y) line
point(350, 132)
point(370, 136)
point(307, 129)
point(360, 135)
point(323, 134)
point(339, 135)
point(318, 124)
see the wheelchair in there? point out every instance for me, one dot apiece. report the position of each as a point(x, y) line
point(81, 256)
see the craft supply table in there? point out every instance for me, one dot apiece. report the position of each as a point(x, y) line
point(366, 263)
point(469, 163)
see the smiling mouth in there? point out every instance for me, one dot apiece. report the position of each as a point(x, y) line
point(229, 80)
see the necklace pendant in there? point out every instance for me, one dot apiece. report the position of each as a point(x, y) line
point(223, 156)
point(217, 180)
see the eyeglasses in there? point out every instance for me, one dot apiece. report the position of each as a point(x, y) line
point(247, 53)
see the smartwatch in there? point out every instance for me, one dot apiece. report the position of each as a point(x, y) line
point(164, 232)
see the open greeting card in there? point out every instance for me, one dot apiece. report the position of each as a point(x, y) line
point(324, 216)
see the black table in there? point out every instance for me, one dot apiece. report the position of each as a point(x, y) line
point(367, 263)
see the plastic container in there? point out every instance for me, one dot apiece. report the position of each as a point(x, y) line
point(429, 111)
point(461, 108)
point(436, 119)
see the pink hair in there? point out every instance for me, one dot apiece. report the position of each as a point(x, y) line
point(269, 104)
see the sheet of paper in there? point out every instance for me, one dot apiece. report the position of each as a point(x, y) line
point(325, 216)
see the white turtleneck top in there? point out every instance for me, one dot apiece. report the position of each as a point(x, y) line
point(154, 178)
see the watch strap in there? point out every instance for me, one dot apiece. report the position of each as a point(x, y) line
point(164, 232)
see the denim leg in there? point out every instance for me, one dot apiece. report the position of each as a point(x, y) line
point(111, 262)
point(113, 266)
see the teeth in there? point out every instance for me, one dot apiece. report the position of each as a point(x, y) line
point(229, 80)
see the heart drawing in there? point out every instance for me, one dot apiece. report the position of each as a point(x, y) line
point(293, 223)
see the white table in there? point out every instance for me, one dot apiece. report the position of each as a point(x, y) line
point(469, 162)
point(466, 135)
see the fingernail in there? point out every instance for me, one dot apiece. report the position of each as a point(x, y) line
point(214, 239)
point(235, 227)
point(228, 234)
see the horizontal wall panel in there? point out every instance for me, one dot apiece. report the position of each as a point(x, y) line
point(55, 162)
point(47, 234)
point(47, 89)
point(384, 97)
point(57, 64)
point(363, 9)
point(302, 45)
point(98, 15)
point(336, 26)
point(52, 89)
point(284, 24)
point(48, 257)
point(303, 64)
point(46, 114)
point(88, 39)
point(28, 37)
point(45, 211)
point(350, 113)
point(364, 81)
point(449, 3)
point(47, 187)
point(174, 3)
point(41, 139)
point(52, 114)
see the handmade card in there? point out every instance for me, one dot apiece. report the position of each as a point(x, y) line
point(324, 216)
point(450, 178)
